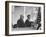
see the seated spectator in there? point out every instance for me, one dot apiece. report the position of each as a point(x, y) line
point(20, 22)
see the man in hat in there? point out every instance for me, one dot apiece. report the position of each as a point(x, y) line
point(28, 22)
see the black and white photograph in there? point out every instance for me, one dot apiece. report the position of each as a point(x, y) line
point(26, 18)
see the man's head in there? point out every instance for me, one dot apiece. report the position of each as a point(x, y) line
point(28, 17)
point(21, 16)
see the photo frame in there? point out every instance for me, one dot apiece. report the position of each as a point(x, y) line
point(24, 18)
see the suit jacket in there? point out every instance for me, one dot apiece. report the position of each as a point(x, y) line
point(27, 23)
point(20, 23)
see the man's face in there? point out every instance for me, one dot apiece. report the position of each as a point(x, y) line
point(22, 17)
point(28, 17)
